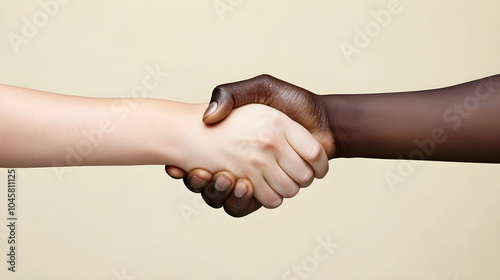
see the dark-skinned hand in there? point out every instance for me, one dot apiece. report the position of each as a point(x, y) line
point(299, 104)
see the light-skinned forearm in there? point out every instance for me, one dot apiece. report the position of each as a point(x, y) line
point(41, 129)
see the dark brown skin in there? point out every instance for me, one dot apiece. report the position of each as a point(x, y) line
point(458, 123)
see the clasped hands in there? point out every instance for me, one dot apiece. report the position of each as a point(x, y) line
point(280, 155)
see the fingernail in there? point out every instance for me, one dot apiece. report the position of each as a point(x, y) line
point(197, 182)
point(240, 190)
point(211, 108)
point(222, 183)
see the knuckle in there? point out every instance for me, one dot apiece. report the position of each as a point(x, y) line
point(234, 213)
point(257, 161)
point(223, 93)
point(287, 186)
point(237, 208)
point(220, 89)
point(291, 191)
point(268, 140)
point(315, 152)
point(233, 210)
point(215, 204)
point(273, 202)
point(191, 186)
point(277, 123)
point(208, 200)
point(266, 82)
point(265, 77)
point(212, 197)
point(307, 178)
point(269, 143)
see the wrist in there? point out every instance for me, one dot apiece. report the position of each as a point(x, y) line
point(342, 122)
point(178, 130)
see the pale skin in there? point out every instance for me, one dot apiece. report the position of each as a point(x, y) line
point(259, 145)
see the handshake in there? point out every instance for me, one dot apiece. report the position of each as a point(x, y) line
point(285, 155)
point(243, 155)
point(458, 123)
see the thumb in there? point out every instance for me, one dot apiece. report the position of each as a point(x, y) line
point(221, 105)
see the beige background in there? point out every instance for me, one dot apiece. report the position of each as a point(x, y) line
point(441, 223)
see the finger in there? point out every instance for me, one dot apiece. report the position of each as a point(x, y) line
point(197, 179)
point(265, 194)
point(308, 148)
point(241, 202)
point(218, 189)
point(295, 167)
point(281, 182)
point(175, 172)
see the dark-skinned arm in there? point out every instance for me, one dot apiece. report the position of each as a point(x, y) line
point(458, 123)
